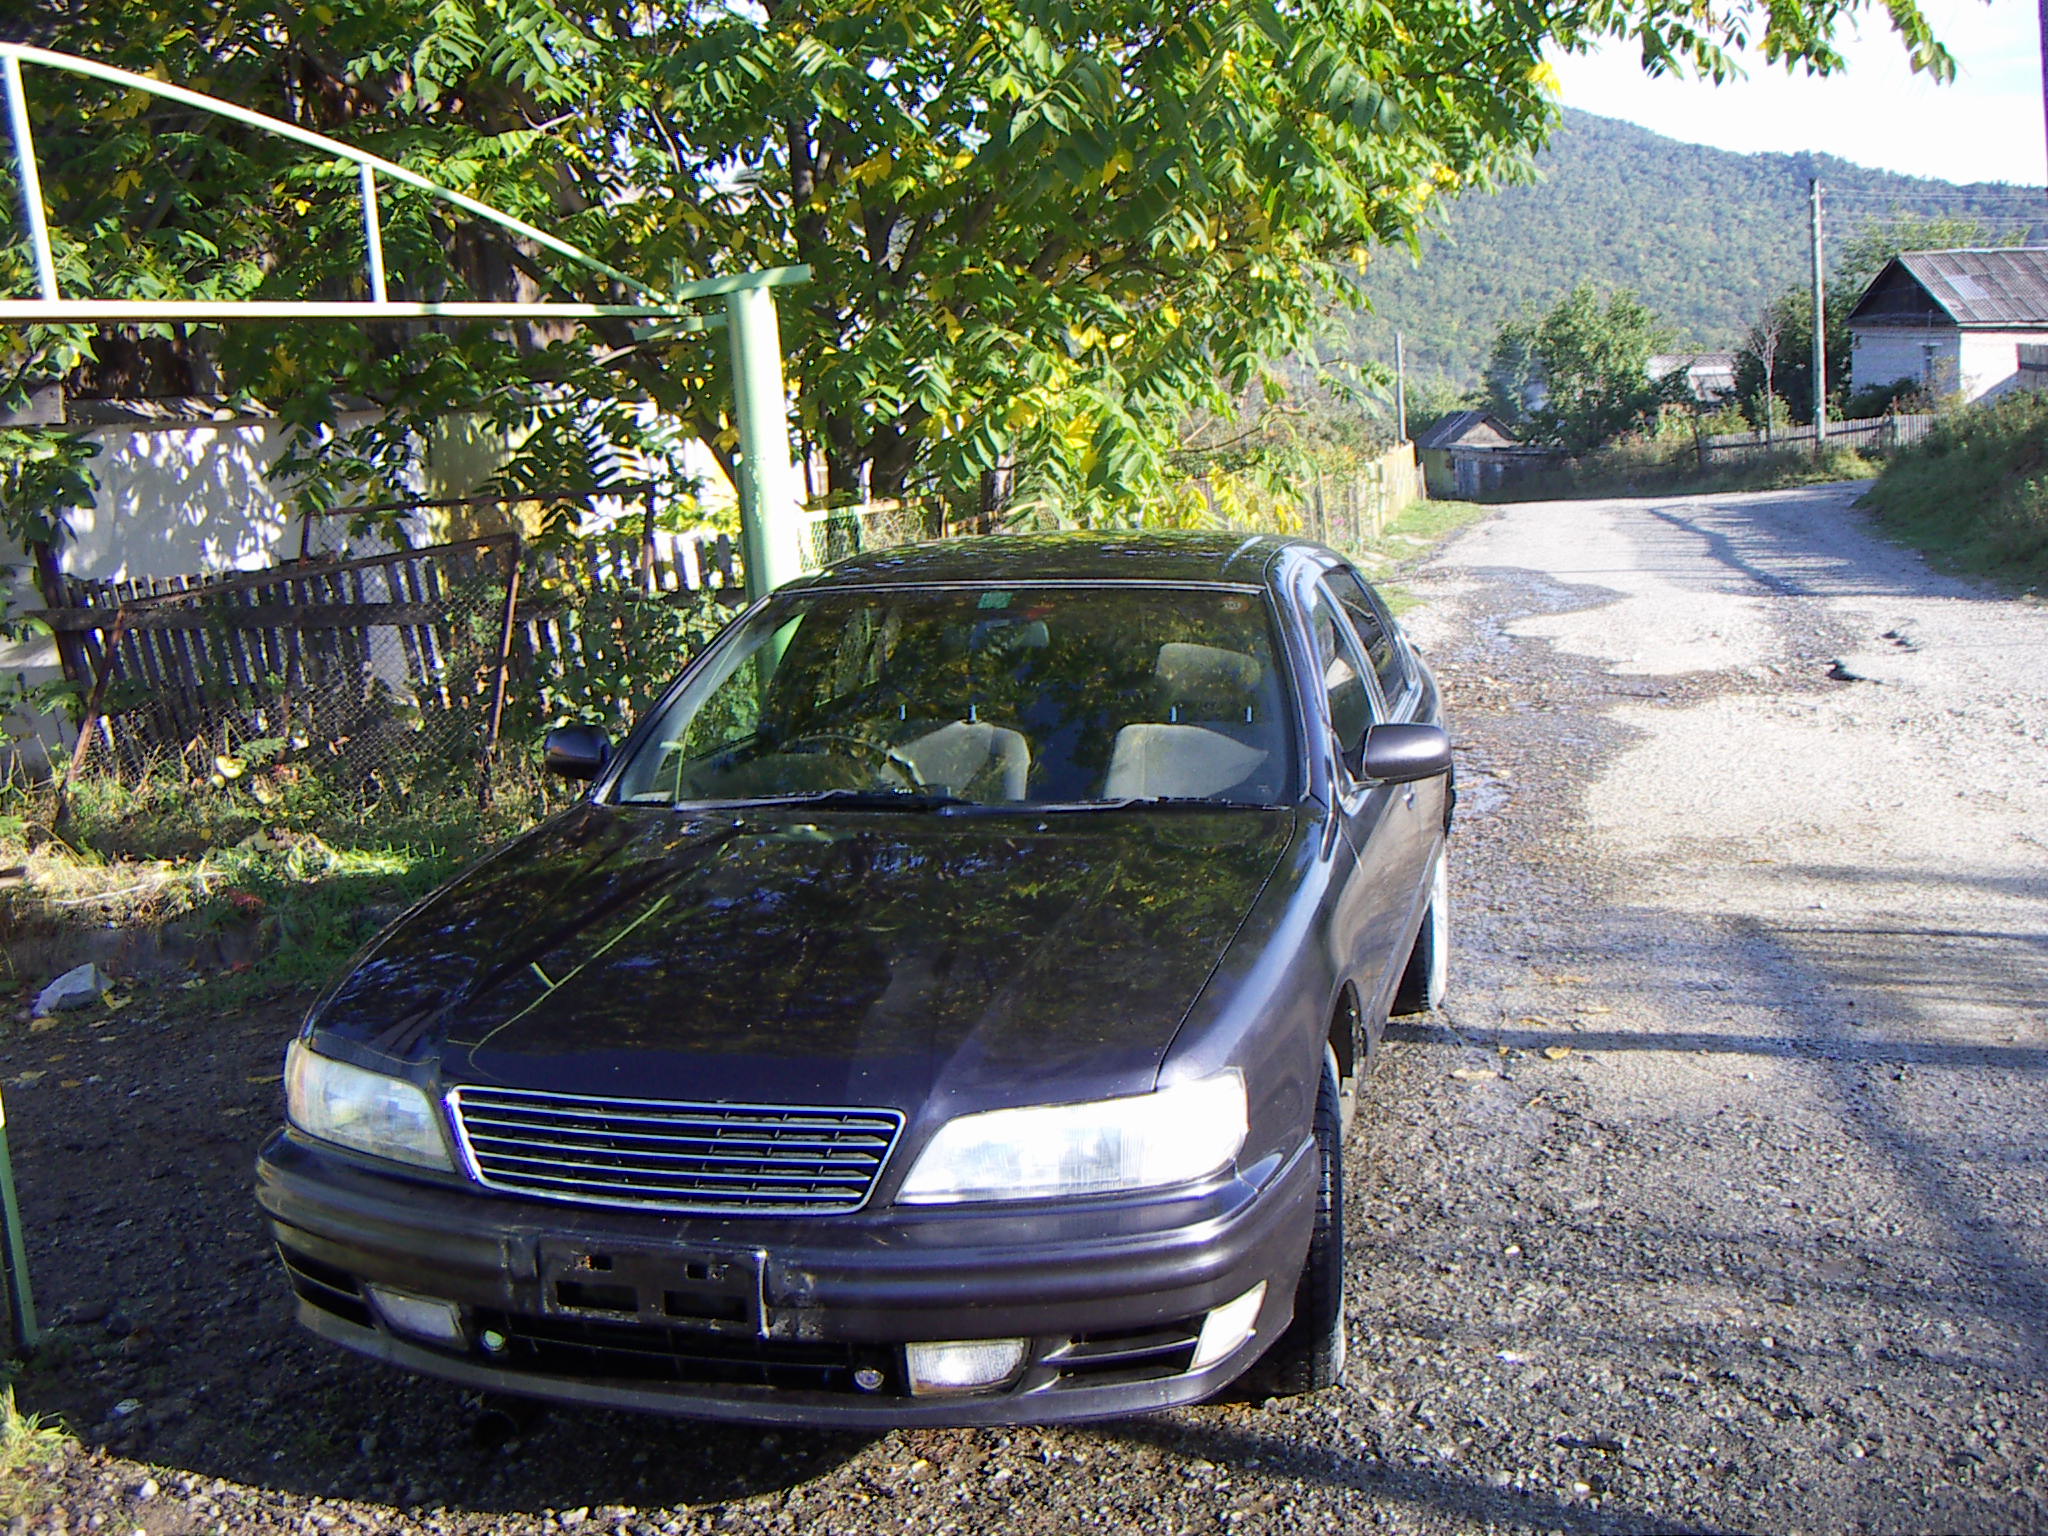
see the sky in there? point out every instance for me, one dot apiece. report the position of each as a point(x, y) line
point(1985, 126)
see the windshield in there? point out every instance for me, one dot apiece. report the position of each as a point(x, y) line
point(1027, 695)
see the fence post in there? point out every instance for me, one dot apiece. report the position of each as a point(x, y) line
point(502, 666)
point(22, 1332)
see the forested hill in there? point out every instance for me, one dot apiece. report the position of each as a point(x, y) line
point(1704, 236)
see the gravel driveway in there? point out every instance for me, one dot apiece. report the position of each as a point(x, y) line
point(1716, 1200)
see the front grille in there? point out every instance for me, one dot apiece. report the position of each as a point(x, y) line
point(707, 1158)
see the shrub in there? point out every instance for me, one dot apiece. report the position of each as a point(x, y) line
point(1974, 491)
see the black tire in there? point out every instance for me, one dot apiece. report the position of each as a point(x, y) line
point(1427, 976)
point(1309, 1356)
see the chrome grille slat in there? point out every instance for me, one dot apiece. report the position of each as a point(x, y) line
point(663, 1155)
point(640, 1170)
point(481, 1125)
point(657, 1162)
point(667, 1112)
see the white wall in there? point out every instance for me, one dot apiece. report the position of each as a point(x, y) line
point(1991, 360)
point(1975, 364)
point(175, 498)
point(1929, 358)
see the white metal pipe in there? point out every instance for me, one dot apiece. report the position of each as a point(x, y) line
point(373, 235)
point(31, 183)
point(205, 311)
point(16, 53)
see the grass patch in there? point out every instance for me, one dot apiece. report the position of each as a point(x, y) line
point(1415, 533)
point(28, 1446)
point(1973, 494)
point(251, 894)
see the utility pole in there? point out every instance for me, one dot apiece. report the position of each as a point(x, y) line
point(1820, 331)
point(1401, 363)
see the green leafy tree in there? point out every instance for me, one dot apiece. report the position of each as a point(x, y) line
point(1580, 376)
point(1040, 233)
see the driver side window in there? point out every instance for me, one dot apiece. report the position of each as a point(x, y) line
point(1342, 671)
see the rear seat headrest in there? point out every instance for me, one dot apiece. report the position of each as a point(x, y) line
point(1187, 673)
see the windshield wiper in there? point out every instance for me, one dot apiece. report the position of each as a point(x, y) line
point(861, 799)
point(1149, 802)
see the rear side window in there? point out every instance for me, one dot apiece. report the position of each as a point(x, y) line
point(1375, 631)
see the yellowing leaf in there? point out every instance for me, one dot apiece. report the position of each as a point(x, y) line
point(229, 767)
point(1557, 1052)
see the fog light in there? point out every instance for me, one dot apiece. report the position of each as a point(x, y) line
point(421, 1316)
point(970, 1366)
point(1228, 1326)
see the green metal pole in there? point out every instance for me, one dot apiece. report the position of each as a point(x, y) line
point(768, 503)
point(21, 1304)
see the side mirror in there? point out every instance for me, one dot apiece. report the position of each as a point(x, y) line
point(1400, 754)
point(576, 751)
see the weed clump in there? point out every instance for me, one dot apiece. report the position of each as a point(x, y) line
point(1974, 492)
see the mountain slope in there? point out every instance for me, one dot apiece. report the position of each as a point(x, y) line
point(1704, 236)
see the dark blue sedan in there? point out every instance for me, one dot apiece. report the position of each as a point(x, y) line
point(946, 1007)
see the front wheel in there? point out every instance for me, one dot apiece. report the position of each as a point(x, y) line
point(1428, 974)
point(1309, 1356)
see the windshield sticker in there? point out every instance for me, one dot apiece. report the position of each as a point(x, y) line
point(994, 600)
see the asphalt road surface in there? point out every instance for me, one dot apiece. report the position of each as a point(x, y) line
point(1715, 1200)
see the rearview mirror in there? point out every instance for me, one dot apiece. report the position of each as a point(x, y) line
point(1400, 754)
point(576, 751)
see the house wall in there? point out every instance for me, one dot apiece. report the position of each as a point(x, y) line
point(1991, 360)
point(1946, 361)
point(175, 498)
point(1927, 356)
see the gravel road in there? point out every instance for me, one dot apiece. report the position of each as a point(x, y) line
point(1715, 1201)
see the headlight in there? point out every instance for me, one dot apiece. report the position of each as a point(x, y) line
point(1142, 1142)
point(365, 1110)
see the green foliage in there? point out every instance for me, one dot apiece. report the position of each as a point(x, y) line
point(1706, 237)
point(1040, 233)
point(1588, 362)
point(43, 475)
point(1974, 492)
point(621, 648)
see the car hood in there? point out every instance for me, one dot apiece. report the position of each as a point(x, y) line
point(806, 957)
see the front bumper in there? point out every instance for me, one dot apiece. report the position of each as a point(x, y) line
point(794, 1320)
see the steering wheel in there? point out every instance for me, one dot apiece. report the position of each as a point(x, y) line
point(899, 766)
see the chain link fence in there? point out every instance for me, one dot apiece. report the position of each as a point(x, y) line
point(834, 533)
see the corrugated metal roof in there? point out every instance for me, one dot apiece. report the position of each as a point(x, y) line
point(1457, 424)
point(1996, 287)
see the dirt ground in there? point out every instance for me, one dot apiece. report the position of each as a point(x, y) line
point(1716, 1199)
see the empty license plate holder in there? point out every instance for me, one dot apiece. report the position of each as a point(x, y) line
point(689, 1286)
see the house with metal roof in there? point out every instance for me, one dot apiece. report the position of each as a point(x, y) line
point(1476, 433)
point(1970, 323)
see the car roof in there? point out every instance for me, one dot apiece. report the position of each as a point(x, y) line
point(1198, 558)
